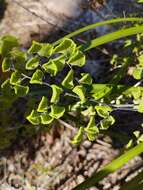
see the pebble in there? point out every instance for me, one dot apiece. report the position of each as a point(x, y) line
point(82, 153)
point(80, 179)
point(11, 168)
point(93, 188)
point(87, 144)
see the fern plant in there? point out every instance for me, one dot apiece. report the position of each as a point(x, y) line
point(51, 75)
point(52, 72)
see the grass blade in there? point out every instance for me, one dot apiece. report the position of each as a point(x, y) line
point(135, 183)
point(111, 167)
point(92, 26)
point(111, 37)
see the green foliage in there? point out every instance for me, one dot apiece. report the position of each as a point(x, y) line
point(57, 111)
point(68, 80)
point(32, 63)
point(37, 77)
point(80, 91)
point(91, 129)
point(43, 105)
point(35, 74)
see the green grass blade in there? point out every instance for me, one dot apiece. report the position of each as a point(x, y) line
point(135, 183)
point(111, 37)
point(111, 167)
point(92, 26)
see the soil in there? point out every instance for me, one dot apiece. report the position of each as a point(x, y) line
point(50, 162)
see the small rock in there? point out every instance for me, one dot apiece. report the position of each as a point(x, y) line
point(80, 179)
point(87, 144)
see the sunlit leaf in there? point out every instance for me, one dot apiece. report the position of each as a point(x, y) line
point(136, 92)
point(46, 50)
point(67, 46)
point(32, 63)
point(57, 111)
point(6, 89)
point(68, 80)
point(140, 107)
point(7, 43)
point(19, 57)
point(15, 78)
point(53, 66)
point(56, 92)
point(140, 59)
point(91, 129)
point(100, 90)
point(86, 79)
point(46, 119)
point(90, 111)
point(43, 105)
point(21, 90)
point(103, 111)
point(80, 91)
point(34, 117)
point(78, 137)
point(35, 47)
point(138, 73)
point(107, 122)
point(6, 65)
point(77, 59)
point(37, 77)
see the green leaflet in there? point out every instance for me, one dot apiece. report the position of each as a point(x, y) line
point(32, 63)
point(53, 66)
point(7, 43)
point(136, 92)
point(74, 107)
point(46, 50)
point(57, 111)
point(67, 46)
point(6, 65)
point(91, 129)
point(6, 84)
point(138, 73)
point(15, 78)
point(37, 77)
point(34, 117)
point(107, 122)
point(86, 79)
point(78, 137)
point(19, 56)
point(140, 107)
point(68, 80)
point(21, 90)
point(89, 111)
point(46, 119)
point(100, 90)
point(35, 47)
point(103, 111)
point(80, 91)
point(56, 93)
point(43, 105)
point(77, 59)
point(140, 59)
point(6, 89)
